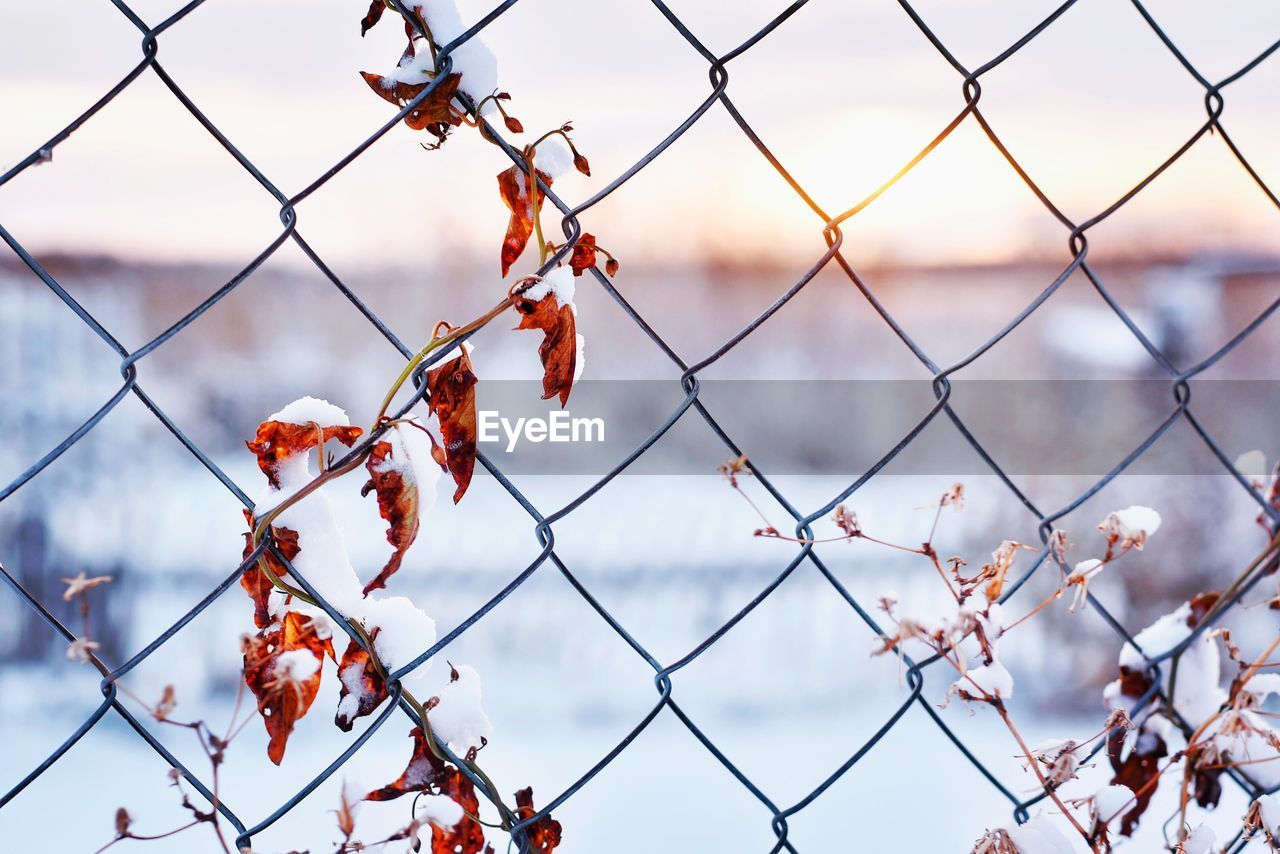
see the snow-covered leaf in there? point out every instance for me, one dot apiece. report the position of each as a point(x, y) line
point(282, 669)
point(282, 439)
point(1109, 801)
point(404, 474)
point(434, 114)
point(986, 683)
point(1039, 836)
point(466, 837)
point(439, 811)
point(458, 719)
point(362, 688)
point(548, 306)
point(1131, 526)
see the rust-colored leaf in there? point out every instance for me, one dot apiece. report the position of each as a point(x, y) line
point(398, 502)
point(435, 114)
point(559, 348)
point(363, 688)
point(422, 772)
point(513, 186)
point(467, 837)
point(371, 17)
point(1140, 771)
point(1201, 604)
point(1134, 683)
point(1207, 769)
point(453, 402)
point(544, 834)
point(279, 440)
point(282, 669)
point(254, 580)
point(584, 254)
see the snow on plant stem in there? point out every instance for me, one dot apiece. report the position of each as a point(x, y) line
point(1131, 526)
point(472, 59)
point(553, 157)
point(459, 719)
point(560, 282)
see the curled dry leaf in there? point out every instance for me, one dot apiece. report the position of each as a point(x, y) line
point(544, 834)
point(435, 114)
point(453, 402)
point(277, 441)
point(559, 348)
point(1207, 767)
point(1139, 770)
point(423, 771)
point(371, 17)
point(363, 687)
point(280, 671)
point(513, 186)
point(466, 837)
point(256, 582)
point(398, 502)
point(584, 254)
point(1201, 605)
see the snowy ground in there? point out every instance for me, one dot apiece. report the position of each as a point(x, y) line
point(789, 694)
point(913, 792)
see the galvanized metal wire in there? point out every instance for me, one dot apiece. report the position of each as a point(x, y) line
point(249, 822)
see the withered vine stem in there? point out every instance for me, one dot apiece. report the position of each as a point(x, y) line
point(357, 457)
point(532, 182)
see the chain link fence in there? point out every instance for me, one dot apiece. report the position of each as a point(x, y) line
point(243, 818)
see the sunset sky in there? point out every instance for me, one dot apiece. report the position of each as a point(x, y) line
point(844, 93)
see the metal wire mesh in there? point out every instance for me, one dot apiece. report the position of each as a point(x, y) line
point(248, 825)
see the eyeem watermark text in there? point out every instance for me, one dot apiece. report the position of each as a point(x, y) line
point(558, 426)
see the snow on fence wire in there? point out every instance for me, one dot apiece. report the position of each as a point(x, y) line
point(248, 824)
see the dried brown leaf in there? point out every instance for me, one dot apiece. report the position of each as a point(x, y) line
point(398, 503)
point(559, 348)
point(423, 771)
point(513, 187)
point(453, 401)
point(357, 674)
point(284, 696)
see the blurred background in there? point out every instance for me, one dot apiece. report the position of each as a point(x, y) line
point(141, 215)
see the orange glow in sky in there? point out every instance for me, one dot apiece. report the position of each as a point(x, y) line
point(843, 96)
